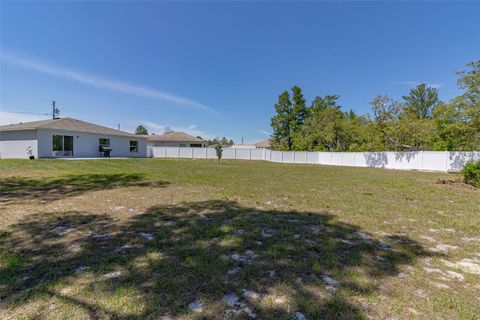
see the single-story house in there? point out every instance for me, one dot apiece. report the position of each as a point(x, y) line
point(67, 137)
point(263, 144)
point(175, 139)
point(242, 146)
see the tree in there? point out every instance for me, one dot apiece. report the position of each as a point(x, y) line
point(299, 110)
point(141, 130)
point(323, 128)
point(219, 151)
point(421, 100)
point(290, 117)
point(224, 142)
point(282, 136)
point(322, 103)
point(458, 122)
point(167, 130)
point(470, 82)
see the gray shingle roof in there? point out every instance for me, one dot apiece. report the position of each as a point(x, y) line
point(174, 137)
point(67, 124)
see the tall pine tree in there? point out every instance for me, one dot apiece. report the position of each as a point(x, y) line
point(281, 122)
point(299, 110)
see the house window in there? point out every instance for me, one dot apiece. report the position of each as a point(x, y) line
point(104, 142)
point(62, 146)
point(182, 145)
point(133, 146)
point(195, 145)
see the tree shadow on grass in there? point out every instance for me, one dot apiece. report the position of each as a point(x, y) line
point(159, 262)
point(47, 189)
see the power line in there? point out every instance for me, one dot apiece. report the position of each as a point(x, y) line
point(45, 114)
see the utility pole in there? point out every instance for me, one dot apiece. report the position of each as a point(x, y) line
point(54, 110)
point(119, 127)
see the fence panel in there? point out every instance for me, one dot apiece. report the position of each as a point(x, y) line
point(456, 160)
point(276, 156)
point(312, 157)
point(200, 153)
point(257, 154)
point(211, 153)
point(336, 158)
point(228, 153)
point(300, 156)
point(185, 152)
point(288, 157)
point(348, 159)
point(434, 161)
point(410, 160)
point(243, 154)
point(361, 159)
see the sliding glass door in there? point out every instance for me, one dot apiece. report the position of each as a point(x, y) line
point(62, 146)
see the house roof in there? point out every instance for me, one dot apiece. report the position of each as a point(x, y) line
point(263, 144)
point(67, 124)
point(173, 137)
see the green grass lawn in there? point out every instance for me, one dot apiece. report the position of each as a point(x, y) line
point(194, 239)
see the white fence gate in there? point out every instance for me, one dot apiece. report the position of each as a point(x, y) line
point(421, 160)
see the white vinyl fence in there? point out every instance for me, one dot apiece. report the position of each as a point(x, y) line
point(420, 160)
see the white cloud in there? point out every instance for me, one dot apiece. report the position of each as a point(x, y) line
point(7, 117)
point(98, 82)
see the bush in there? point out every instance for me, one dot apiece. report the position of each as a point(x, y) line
point(471, 173)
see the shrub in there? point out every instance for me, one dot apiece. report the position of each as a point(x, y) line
point(219, 150)
point(471, 173)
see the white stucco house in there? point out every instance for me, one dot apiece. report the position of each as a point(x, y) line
point(67, 137)
point(175, 139)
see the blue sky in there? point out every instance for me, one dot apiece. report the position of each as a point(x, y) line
point(217, 68)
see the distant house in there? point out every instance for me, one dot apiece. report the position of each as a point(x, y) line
point(67, 137)
point(263, 144)
point(175, 139)
point(242, 146)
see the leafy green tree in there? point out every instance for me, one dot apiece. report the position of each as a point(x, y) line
point(141, 130)
point(421, 100)
point(322, 103)
point(223, 141)
point(458, 122)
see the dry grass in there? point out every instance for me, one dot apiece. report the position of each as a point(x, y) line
point(144, 238)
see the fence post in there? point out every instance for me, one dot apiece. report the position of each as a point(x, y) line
point(250, 154)
point(446, 161)
point(294, 161)
point(282, 155)
point(165, 151)
point(421, 154)
point(192, 152)
point(178, 152)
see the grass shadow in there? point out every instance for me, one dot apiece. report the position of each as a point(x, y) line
point(162, 260)
point(48, 189)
